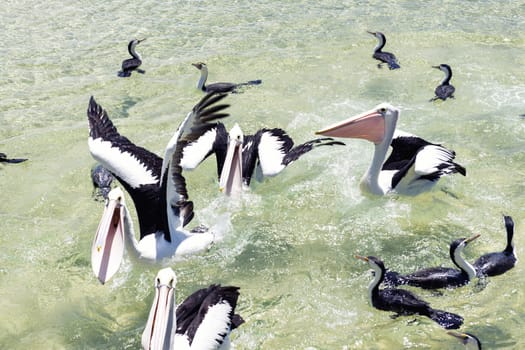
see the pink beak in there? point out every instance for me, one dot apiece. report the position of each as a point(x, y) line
point(369, 126)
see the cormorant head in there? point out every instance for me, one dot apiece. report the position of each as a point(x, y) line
point(444, 67)
point(458, 245)
point(200, 65)
point(468, 339)
point(378, 35)
point(372, 261)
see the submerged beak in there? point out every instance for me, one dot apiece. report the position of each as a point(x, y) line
point(157, 334)
point(368, 125)
point(231, 174)
point(468, 240)
point(108, 245)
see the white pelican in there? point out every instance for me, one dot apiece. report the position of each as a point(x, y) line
point(238, 156)
point(218, 87)
point(414, 165)
point(203, 321)
point(157, 188)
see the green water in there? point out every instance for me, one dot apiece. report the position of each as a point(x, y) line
point(289, 243)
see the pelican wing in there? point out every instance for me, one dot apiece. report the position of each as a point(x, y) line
point(207, 316)
point(179, 208)
point(137, 169)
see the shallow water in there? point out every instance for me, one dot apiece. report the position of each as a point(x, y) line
point(289, 242)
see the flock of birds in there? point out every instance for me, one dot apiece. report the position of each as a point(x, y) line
point(402, 163)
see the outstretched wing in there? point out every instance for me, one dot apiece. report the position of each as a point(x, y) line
point(179, 208)
point(137, 169)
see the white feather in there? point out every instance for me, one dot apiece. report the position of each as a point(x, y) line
point(213, 328)
point(270, 154)
point(195, 152)
point(123, 164)
point(430, 158)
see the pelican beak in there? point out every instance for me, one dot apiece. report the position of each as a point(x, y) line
point(230, 180)
point(360, 257)
point(470, 239)
point(161, 320)
point(108, 245)
point(368, 125)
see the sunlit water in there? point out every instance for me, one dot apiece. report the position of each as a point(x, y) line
point(289, 242)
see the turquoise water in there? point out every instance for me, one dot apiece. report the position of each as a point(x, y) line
point(289, 242)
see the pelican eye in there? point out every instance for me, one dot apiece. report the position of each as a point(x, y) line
point(382, 110)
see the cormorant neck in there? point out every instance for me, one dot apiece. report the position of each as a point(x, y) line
point(448, 76)
point(510, 241)
point(373, 287)
point(463, 265)
point(201, 85)
point(132, 52)
point(381, 44)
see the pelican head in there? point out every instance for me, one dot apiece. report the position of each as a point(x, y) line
point(161, 325)
point(230, 180)
point(371, 125)
point(108, 246)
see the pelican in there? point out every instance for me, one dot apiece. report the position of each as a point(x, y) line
point(384, 57)
point(404, 302)
point(239, 156)
point(218, 87)
point(132, 64)
point(157, 188)
point(414, 165)
point(445, 89)
point(203, 321)
point(4, 159)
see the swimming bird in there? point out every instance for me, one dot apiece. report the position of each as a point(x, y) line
point(239, 156)
point(218, 87)
point(385, 57)
point(102, 179)
point(158, 190)
point(445, 89)
point(4, 159)
point(497, 263)
point(132, 64)
point(404, 302)
point(470, 341)
point(439, 277)
point(203, 320)
point(414, 165)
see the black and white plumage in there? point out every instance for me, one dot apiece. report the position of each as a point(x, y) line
point(218, 87)
point(403, 302)
point(101, 179)
point(132, 64)
point(157, 187)
point(4, 159)
point(203, 321)
point(414, 165)
point(239, 156)
point(470, 341)
point(439, 277)
point(445, 89)
point(384, 57)
point(497, 263)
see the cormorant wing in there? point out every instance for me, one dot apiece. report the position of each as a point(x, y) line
point(136, 168)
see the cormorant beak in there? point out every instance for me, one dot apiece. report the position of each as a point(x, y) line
point(437, 67)
point(161, 320)
point(108, 246)
point(360, 257)
point(468, 240)
point(197, 65)
point(369, 125)
point(230, 180)
point(141, 40)
point(461, 336)
point(369, 32)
